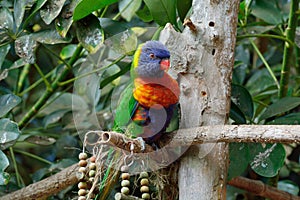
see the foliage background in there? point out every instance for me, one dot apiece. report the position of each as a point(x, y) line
point(62, 58)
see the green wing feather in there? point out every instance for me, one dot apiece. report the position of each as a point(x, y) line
point(125, 109)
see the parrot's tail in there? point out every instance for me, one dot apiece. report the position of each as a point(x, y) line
point(109, 161)
point(112, 173)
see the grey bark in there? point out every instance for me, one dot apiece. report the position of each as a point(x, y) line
point(203, 57)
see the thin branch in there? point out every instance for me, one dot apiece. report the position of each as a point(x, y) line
point(260, 189)
point(214, 134)
point(265, 63)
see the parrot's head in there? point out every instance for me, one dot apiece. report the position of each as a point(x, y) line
point(151, 60)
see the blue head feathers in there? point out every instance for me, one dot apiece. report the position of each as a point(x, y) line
point(149, 63)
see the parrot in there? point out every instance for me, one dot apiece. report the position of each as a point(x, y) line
point(147, 105)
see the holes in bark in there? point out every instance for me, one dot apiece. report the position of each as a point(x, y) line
point(211, 24)
point(203, 93)
point(213, 52)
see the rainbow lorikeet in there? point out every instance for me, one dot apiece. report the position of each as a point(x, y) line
point(147, 106)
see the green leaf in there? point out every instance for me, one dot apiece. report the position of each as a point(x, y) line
point(64, 102)
point(25, 48)
point(6, 3)
point(19, 10)
point(4, 163)
point(259, 81)
point(282, 105)
point(39, 174)
point(183, 8)
point(4, 178)
point(50, 37)
point(242, 98)
point(40, 140)
point(3, 52)
point(62, 164)
point(68, 51)
point(267, 11)
point(123, 43)
point(113, 77)
point(8, 102)
point(9, 133)
point(144, 14)
point(259, 29)
point(54, 117)
point(87, 87)
point(18, 63)
point(51, 10)
point(6, 20)
point(89, 33)
point(163, 11)
point(268, 159)
point(239, 159)
point(39, 4)
point(288, 186)
point(127, 8)
point(291, 119)
point(242, 54)
point(239, 73)
point(112, 27)
point(236, 114)
point(273, 90)
point(65, 20)
point(86, 7)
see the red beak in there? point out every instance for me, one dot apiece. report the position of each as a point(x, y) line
point(165, 64)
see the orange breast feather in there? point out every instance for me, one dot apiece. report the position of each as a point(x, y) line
point(162, 91)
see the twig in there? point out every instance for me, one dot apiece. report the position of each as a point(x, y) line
point(120, 196)
point(260, 189)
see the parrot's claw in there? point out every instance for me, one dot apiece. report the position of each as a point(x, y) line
point(142, 143)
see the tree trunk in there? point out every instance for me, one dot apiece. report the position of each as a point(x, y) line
point(202, 57)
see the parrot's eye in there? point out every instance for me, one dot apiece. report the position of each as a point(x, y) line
point(152, 55)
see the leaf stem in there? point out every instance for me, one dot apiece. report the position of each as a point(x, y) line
point(41, 101)
point(33, 156)
point(265, 63)
point(288, 49)
point(48, 85)
point(103, 12)
point(35, 84)
point(13, 158)
point(267, 36)
point(22, 78)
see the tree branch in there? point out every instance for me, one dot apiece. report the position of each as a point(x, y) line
point(46, 187)
point(261, 189)
point(214, 134)
point(183, 137)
